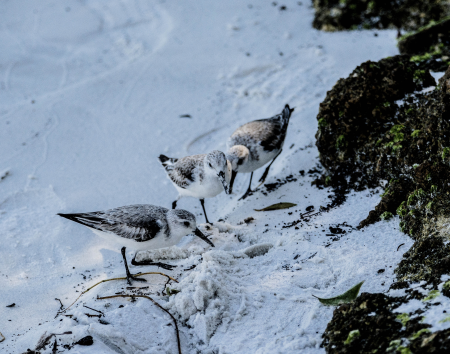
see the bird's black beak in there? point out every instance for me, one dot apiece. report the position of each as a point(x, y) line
point(198, 233)
point(233, 176)
point(222, 179)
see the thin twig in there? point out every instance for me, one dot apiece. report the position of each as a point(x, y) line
point(162, 308)
point(90, 308)
point(87, 314)
point(308, 257)
point(106, 280)
point(138, 287)
point(45, 340)
point(62, 306)
point(2, 338)
point(400, 246)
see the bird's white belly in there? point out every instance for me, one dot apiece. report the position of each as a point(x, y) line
point(252, 165)
point(209, 188)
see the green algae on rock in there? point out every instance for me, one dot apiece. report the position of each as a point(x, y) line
point(336, 15)
point(429, 46)
point(372, 315)
point(405, 144)
point(393, 132)
point(357, 133)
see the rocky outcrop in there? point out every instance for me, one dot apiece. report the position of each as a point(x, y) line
point(362, 137)
point(378, 127)
point(336, 15)
point(429, 46)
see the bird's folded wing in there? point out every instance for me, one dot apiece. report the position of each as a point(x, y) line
point(133, 222)
point(186, 170)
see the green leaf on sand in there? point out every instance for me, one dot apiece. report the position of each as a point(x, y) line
point(278, 206)
point(171, 292)
point(348, 296)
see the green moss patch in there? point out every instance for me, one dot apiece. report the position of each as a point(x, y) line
point(411, 15)
point(370, 139)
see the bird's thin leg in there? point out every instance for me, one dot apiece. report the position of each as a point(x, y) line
point(162, 265)
point(129, 276)
point(202, 202)
point(249, 189)
point(174, 203)
point(266, 172)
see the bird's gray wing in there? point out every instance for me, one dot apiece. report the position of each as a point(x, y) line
point(186, 170)
point(275, 134)
point(269, 132)
point(138, 222)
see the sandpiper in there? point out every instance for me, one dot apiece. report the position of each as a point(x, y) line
point(139, 227)
point(254, 144)
point(199, 176)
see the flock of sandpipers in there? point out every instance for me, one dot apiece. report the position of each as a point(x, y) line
point(146, 226)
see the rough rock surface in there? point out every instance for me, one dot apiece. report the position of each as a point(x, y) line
point(428, 46)
point(376, 126)
point(358, 137)
point(333, 15)
point(371, 315)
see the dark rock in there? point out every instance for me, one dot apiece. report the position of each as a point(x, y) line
point(395, 193)
point(366, 137)
point(356, 121)
point(399, 285)
point(429, 47)
point(428, 260)
point(336, 230)
point(371, 315)
point(378, 326)
point(444, 81)
point(332, 15)
point(438, 342)
point(85, 341)
point(363, 141)
point(420, 41)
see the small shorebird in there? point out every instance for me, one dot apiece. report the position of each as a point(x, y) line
point(140, 227)
point(199, 176)
point(254, 144)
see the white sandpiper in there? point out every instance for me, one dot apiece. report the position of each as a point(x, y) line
point(254, 144)
point(139, 227)
point(199, 176)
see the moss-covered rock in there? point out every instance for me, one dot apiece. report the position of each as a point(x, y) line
point(376, 126)
point(438, 342)
point(397, 189)
point(332, 15)
point(379, 328)
point(372, 324)
point(359, 134)
point(419, 42)
point(429, 46)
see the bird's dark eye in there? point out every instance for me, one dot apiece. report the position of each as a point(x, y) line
point(210, 165)
point(186, 223)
